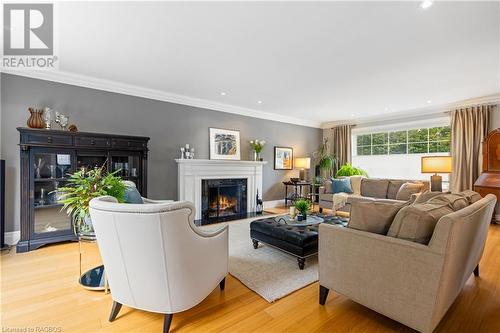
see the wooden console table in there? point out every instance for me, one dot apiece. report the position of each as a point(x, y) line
point(298, 190)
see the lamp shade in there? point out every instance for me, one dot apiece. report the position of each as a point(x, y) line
point(436, 164)
point(302, 162)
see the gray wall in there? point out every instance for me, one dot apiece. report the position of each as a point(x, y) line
point(169, 126)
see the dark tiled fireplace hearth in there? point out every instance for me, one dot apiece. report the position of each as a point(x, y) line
point(223, 199)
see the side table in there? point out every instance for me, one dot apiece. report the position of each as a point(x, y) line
point(95, 278)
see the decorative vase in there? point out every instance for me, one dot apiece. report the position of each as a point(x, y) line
point(255, 155)
point(85, 228)
point(35, 120)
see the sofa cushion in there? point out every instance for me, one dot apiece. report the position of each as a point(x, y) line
point(375, 188)
point(407, 189)
point(416, 222)
point(393, 188)
point(340, 185)
point(375, 216)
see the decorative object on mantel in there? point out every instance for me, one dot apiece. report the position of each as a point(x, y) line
point(283, 158)
point(187, 152)
point(72, 128)
point(224, 144)
point(257, 146)
point(259, 208)
point(35, 120)
point(62, 120)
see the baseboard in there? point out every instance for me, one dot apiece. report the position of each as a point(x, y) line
point(497, 218)
point(12, 237)
point(274, 203)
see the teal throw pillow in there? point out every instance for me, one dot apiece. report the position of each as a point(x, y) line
point(341, 185)
point(132, 196)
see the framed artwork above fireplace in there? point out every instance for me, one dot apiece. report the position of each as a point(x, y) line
point(224, 144)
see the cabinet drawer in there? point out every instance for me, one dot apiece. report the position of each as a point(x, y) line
point(54, 139)
point(90, 141)
point(131, 144)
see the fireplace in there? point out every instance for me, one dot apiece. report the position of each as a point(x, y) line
point(223, 199)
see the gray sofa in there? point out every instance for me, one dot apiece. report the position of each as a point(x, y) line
point(409, 282)
point(370, 189)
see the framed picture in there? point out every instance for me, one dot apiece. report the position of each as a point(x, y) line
point(283, 158)
point(224, 144)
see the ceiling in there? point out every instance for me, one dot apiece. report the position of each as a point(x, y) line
point(307, 62)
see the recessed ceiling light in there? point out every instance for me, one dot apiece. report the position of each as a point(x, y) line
point(386, 108)
point(259, 102)
point(352, 114)
point(429, 101)
point(223, 93)
point(426, 4)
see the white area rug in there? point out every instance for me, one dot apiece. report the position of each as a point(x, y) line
point(269, 272)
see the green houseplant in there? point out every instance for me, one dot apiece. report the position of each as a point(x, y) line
point(347, 170)
point(303, 206)
point(324, 159)
point(257, 146)
point(85, 185)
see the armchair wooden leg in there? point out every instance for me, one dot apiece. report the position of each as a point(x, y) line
point(321, 209)
point(114, 310)
point(167, 321)
point(323, 294)
point(476, 270)
point(222, 284)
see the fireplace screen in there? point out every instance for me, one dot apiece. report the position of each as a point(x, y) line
point(223, 199)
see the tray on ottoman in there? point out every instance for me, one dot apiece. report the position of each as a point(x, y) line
point(299, 239)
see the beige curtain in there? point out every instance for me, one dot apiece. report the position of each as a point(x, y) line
point(469, 126)
point(341, 145)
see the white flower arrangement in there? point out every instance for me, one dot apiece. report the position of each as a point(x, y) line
point(257, 145)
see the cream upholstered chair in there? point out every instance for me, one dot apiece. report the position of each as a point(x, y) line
point(156, 259)
point(409, 282)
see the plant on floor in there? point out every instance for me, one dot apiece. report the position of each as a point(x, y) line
point(85, 185)
point(324, 159)
point(347, 170)
point(303, 206)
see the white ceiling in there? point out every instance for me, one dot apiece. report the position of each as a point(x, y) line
point(319, 62)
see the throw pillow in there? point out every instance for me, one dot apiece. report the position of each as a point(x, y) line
point(471, 196)
point(356, 184)
point(373, 216)
point(341, 185)
point(394, 186)
point(133, 196)
point(426, 196)
point(375, 188)
point(407, 189)
point(455, 201)
point(416, 222)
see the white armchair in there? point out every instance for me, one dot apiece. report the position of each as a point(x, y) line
point(156, 259)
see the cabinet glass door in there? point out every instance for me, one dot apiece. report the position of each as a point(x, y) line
point(90, 160)
point(50, 172)
point(128, 166)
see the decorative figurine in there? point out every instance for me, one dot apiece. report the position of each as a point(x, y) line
point(259, 207)
point(38, 168)
point(47, 117)
point(73, 128)
point(62, 120)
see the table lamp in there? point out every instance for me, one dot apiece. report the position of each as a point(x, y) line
point(303, 163)
point(435, 165)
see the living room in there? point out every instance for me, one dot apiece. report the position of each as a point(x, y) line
point(250, 166)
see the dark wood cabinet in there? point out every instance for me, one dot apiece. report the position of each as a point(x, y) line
point(47, 156)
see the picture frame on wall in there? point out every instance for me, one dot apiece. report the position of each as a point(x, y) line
point(224, 144)
point(283, 158)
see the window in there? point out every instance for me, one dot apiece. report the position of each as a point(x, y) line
point(413, 141)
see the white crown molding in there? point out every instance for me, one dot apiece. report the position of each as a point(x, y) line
point(132, 90)
point(430, 111)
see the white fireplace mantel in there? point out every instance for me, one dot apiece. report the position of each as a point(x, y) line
point(192, 171)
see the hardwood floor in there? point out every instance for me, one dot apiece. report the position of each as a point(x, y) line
point(40, 289)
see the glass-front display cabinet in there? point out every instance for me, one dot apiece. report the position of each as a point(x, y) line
point(48, 156)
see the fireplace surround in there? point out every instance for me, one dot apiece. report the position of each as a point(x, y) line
point(223, 199)
point(192, 172)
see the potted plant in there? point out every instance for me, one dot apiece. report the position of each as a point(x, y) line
point(348, 170)
point(303, 206)
point(324, 159)
point(257, 146)
point(83, 186)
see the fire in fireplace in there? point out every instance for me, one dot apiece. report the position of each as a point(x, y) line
point(223, 199)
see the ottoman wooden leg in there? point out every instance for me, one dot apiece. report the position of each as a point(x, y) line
point(301, 262)
point(255, 243)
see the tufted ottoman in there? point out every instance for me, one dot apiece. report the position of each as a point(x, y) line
point(298, 240)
